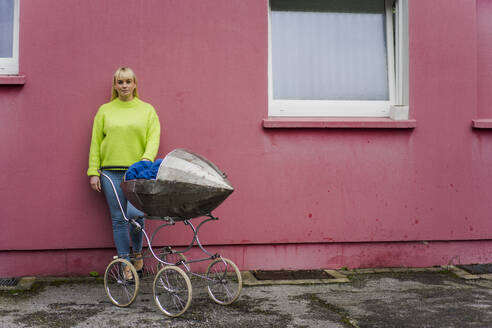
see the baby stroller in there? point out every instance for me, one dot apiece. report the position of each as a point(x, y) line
point(187, 187)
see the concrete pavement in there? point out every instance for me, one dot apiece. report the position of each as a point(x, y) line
point(436, 297)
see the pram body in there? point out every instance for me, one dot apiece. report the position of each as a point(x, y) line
point(187, 186)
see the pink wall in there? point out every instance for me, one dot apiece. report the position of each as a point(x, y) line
point(203, 65)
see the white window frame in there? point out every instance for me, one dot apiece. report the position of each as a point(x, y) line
point(397, 56)
point(10, 65)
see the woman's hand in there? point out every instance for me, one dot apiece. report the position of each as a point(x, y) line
point(95, 183)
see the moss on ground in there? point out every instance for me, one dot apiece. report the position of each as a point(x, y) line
point(14, 295)
point(331, 312)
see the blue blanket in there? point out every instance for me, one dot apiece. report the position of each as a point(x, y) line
point(143, 170)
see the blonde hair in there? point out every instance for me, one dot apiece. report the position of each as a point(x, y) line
point(116, 76)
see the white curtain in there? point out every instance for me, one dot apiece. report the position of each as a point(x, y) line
point(329, 55)
point(6, 27)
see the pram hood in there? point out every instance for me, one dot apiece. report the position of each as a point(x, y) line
point(187, 186)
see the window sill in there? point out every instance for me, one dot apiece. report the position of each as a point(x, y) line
point(337, 123)
point(482, 123)
point(12, 79)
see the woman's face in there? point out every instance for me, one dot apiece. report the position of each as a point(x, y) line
point(125, 85)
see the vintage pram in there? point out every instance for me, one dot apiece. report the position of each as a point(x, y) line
point(187, 186)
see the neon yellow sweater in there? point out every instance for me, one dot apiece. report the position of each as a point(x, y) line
point(124, 132)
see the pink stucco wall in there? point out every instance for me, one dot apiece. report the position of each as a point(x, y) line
point(304, 197)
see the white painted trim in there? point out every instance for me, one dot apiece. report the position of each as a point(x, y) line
point(398, 113)
point(402, 56)
point(397, 77)
point(11, 65)
point(340, 108)
point(270, 67)
point(390, 49)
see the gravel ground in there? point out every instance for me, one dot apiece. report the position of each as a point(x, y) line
point(408, 299)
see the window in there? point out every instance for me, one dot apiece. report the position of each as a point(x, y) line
point(338, 57)
point(9, 36)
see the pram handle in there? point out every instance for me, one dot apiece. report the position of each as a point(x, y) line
point(115, 192)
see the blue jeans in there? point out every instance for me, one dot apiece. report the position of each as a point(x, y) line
point(123, 231)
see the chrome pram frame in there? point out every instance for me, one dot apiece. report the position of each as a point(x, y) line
point(172, 288)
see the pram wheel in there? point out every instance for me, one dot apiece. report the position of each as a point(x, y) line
point(173, 258)
point(172, 291)
point(121, 291)
point(224, 281)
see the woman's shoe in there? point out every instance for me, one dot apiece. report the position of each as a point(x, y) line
point(127, 273)
point(138, 263)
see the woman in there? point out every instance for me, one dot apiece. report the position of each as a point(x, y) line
point(126, 130)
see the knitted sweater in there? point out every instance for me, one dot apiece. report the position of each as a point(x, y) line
point(124, 132)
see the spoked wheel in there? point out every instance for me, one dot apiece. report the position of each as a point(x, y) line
point(176, 259)
point(120, 290)
point(224, 281)
point(172, 291)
